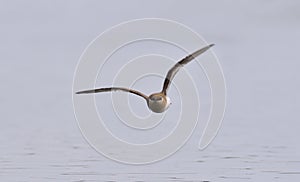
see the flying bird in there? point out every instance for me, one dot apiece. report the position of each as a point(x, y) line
point(157, 102)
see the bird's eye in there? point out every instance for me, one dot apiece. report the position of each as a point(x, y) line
point(158, 98)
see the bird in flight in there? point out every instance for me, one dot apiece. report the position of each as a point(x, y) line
point(157, 102)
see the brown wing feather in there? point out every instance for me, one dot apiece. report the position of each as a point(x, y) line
point(172, 72)
point(113, 89)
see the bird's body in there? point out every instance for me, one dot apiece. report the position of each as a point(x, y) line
point(157, 102)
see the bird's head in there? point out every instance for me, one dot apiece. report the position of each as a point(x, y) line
point(158, 102)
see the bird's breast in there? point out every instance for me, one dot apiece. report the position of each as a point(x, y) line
point(157, 106)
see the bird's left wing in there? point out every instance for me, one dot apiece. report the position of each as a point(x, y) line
point(172, 72)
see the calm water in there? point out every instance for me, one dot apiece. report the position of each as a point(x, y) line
point(47, 153)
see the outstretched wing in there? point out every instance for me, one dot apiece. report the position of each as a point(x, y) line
point(113, 89)
point(172, 72)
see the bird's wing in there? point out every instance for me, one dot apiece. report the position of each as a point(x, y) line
point(109, 89)
point(172, 72)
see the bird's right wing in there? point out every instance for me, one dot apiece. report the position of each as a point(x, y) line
point(110, 89)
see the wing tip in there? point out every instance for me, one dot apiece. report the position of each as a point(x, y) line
point(79, 92)
point(84, 92)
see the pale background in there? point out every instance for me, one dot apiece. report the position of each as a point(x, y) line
point(257, 43)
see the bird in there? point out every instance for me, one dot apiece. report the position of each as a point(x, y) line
point(156, 102)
